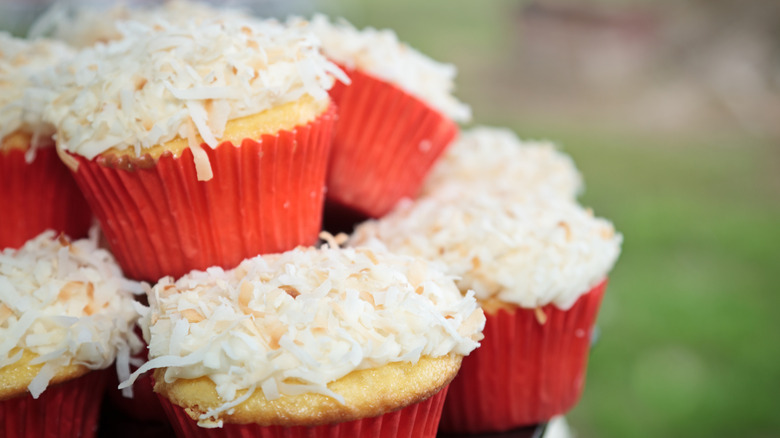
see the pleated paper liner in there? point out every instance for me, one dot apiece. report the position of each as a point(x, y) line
point(68, 409)
point(38, 196)
point(266, 196)
point(386, 142)
point(419, 420)
point(524, 372)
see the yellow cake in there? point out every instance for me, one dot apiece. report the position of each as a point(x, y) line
point(15, 378)
point(367, 393)
point(268, 122)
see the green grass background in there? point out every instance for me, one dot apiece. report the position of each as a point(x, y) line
point(690, 323)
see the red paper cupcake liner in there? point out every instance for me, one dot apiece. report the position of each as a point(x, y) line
point(524, 372)
point(386, 142)
point(68, 409)
point(39, 196)
point(419, 420)
point(266, 196)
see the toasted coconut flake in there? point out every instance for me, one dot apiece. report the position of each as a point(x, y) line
point(333, 241)
point(192, 315)
point(541, 317)
point(291, 291)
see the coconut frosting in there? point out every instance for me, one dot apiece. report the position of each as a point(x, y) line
point(68, 304)
point(85, 25)
point(529, 253)
point(290, 323)
point(163, 80)
point(26, 78)
point(516, 169)
point(381, 54)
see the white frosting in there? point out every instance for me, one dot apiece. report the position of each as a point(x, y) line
point(83, 25)
point(163, 80)
point(528, 253)
point(310, 316)
point(495, 160)
point(26, 78)
point(68, 304)
point(380, 54)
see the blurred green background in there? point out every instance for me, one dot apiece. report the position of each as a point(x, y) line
point(671, 110)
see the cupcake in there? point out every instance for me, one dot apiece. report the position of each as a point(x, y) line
point(66, 314)
point(538, 267)
point(199, 144)
point(328, 342)
point(396, 117)
point(36, 191)
point(495, 160)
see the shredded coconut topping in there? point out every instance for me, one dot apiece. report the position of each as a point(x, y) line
point(68, 304)
point(529, 253)
point(495, 160)
point(83, 25)
point(163, 80)
point(26, 78)
point(291, 323)
point(380, 54)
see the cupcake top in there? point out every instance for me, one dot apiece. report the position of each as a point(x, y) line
point(83, 26)
point(528, 253)
point(26, 78)
point(162, 81)
point(63, 304)
point(517, 169)
point(380, 54)
point(290, 323)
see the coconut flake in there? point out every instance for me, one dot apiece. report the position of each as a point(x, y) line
point(209, 418)
point(41, 380)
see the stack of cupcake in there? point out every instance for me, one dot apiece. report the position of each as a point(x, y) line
point(212, 146)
